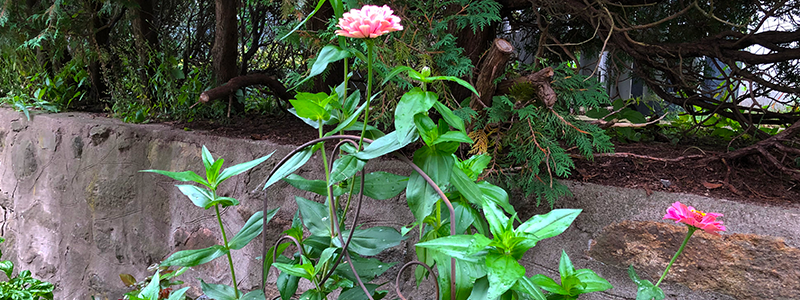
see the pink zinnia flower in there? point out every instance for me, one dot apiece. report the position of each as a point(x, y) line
point(370, 21)
point(695, 218)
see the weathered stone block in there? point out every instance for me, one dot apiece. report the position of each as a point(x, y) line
point(745, 266)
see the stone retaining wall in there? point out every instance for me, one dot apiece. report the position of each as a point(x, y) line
point(76, 211)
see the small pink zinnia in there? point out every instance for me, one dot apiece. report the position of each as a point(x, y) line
point(695, 218)
point(370, 21)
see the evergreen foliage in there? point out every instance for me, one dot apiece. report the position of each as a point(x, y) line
point(529, 140)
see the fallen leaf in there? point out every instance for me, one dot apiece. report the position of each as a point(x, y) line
point(711, 186)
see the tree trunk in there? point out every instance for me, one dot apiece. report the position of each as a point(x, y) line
point(474, 43)
point(224, 52)
point(493, 66)
point(539, 80)
point(146, 38)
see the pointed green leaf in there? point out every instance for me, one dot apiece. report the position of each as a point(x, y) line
point(356, 293)
point(496, 218)
point(527, 286)
point(349, 121)
point(287, 285)
point(420, 195)
point(397, 70)
point(213, 173)
point(550, 224)
point(496, 195)
point(381, 185)
point(344, 168)
point(449, 116)
point(410, 104)
point(319, 5)
point(254, 295)
point(180, 294)
point(504, 271)
point(368, 268)
point(565, 267)
point(327, 55)
point(251, 229)
point(294, 270)
point(294, 163)
point(314, 186)
point(453, 136)
point(463, 247)
point(387, 144)
point(7, 267)
point(208, 160)
point(645, 289)
point(456, 80)
point(191, 258)
point(224, 201)
point(591, 281)
point(468, 188)
point(315, 216)
point(310, 110)
point(548, 284)
point(199, 196)
point(241, 168)
point(371, 241)
point(312, 294)
point(180, 176)
point(218, 291)
point(151, 290)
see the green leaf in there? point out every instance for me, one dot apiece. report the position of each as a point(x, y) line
point(7, 267)
point(254, 295)
point(180, 176)
point(453, 136)
point(496, 218)
point(548, 284)
point(287, 285)
point(504, 271)
point(213, 173)
point(319, 5)
point(591, 281)
point(349, 121)
point(345, 167)
point(394, 72)
point(191, 258)
point(294, 163)
point(310, 110)
point(325, 257)
point(381, 185)
point(151, 290)
point(327, 55)
point(251, 229)
point(449, 116)
point(456, 80)
point(410, 104)
point(315, 186)
point(241, 168)
point(463, 247)
point(315, 216)
point(356, 293)
point(312, 294)
point(180, 294)
point(371, 241)
point(224, 201)
point(480, 289)
point(550, 224)
point(208, 159)
point(368, 268)
point(565, 267)
point(468, 188)
point(427, 128)
point(199, 196)
point(421, 197)
point(646, 290)
point(497, 195)
point(299, 270)
point(527, 286)
point(387, 144)
point(218, 291)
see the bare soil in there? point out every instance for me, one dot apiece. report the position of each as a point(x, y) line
point(743, 180)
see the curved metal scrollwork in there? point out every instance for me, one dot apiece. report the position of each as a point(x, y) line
point(352, 139)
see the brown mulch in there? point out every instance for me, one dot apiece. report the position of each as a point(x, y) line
point(744, 181)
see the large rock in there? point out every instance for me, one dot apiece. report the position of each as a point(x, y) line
point(745, 266)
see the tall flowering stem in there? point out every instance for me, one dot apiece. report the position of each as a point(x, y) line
point(370, 48)
point(692, 229)
point(694, 219)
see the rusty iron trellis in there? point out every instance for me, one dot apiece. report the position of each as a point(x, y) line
point(352, 139)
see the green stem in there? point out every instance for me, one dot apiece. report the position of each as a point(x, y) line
point(692, 229)
point(370, 46)
point(225, 241)
point(329, 197)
